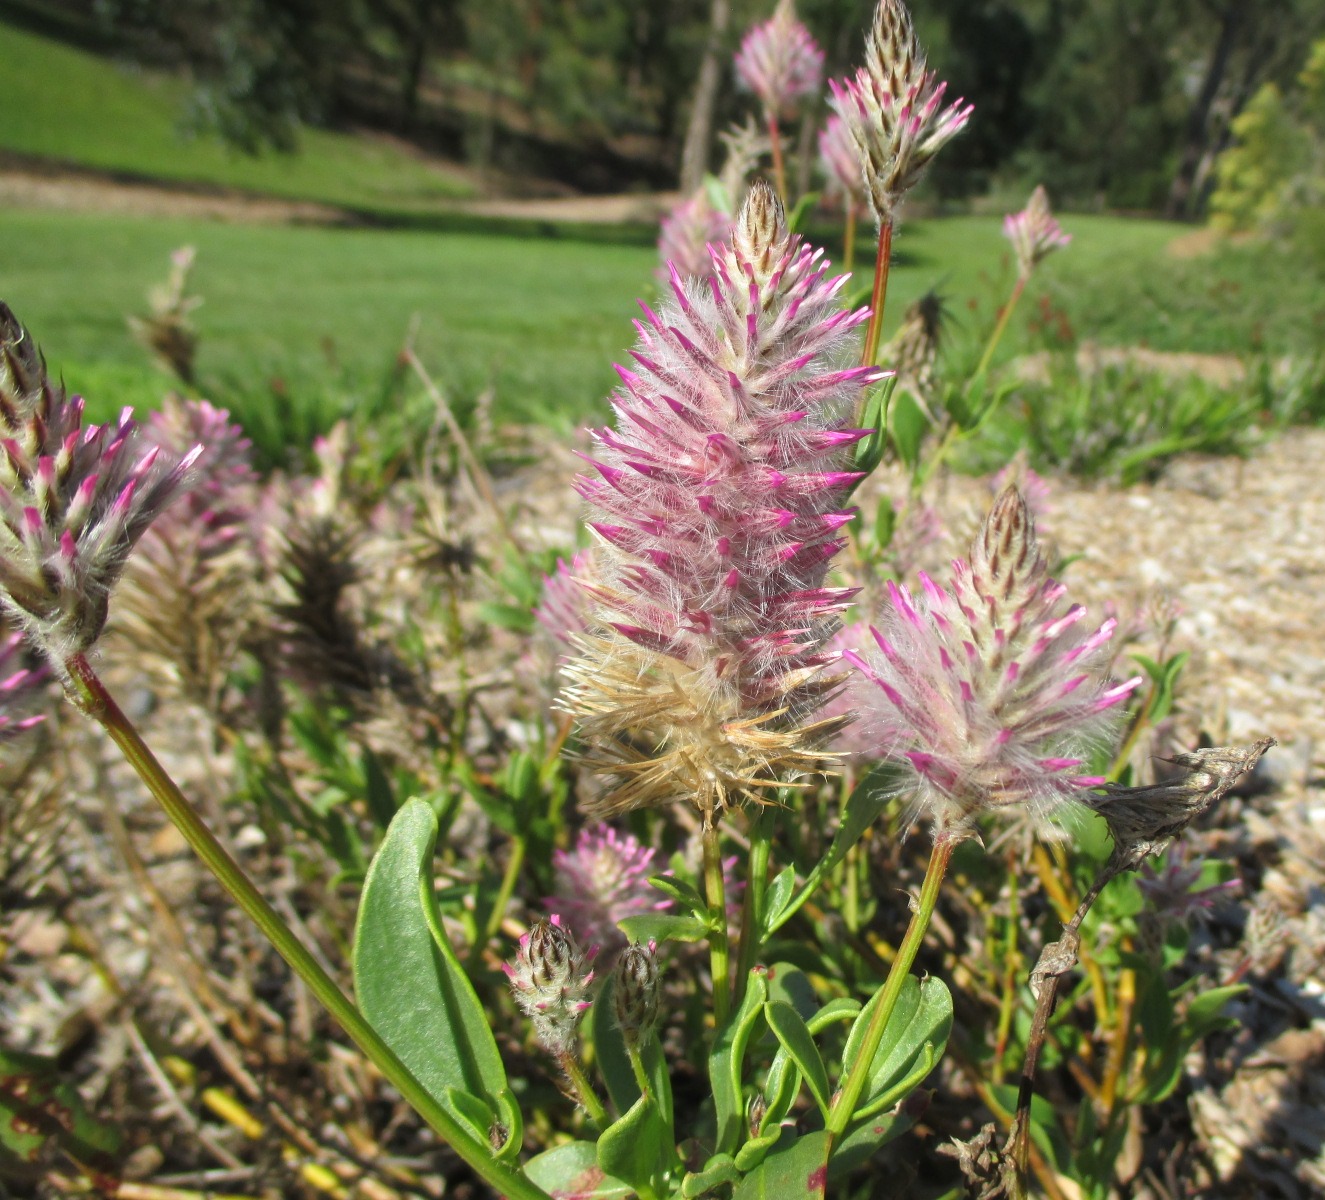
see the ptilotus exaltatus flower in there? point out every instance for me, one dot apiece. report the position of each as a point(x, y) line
point(74, 499)
point(550, 980)
point(988, 692)
point(894, 109)
point(1034, 233)
point(779, 61)
point(718, 501)
point(841, 163)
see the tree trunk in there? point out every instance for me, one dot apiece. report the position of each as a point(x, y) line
point(699, 131)
point(1183, 190)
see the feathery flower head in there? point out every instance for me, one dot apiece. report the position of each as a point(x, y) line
point(635, 992)
point(74, 500)
point(779, 61)
point(604, 880)
point(717, 504)
point(988, 692)
point(1144, 820)
point(563, 608)
point(550, 982)
point(894, 109)
point(20, 689)
point(1033, 232)
point(841, 163)
point(686, 234)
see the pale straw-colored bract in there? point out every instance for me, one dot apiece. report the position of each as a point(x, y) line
point(988, 692)
point(718, 503)
point(74, 500)
point(894, 108)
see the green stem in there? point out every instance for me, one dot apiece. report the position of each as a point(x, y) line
point(583, 1090)
point(752, 912)
point(513, 866)
point(779, 170)
point(1003, 318)
point(874, 331)
point(719, 949)
point(858, 1072)
point(91, 696)
point(637, 1065)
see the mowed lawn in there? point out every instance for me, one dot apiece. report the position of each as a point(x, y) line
point(541, 320)
point(64, 104)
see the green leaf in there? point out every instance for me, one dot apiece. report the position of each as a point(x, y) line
point(682, 892)
point(788, 983)
point(863, 1140)
point(718, 1171)
point(749, 1156)
point(610, 1050)
point(636, 1147)
point(381, 796)
point(885, 523)
point(776, 896)
point(844, 1009)
point(909, 426)
point(798, 1171)
point(780, 1089)
point(867, 801)
point(571, 1172)
point(791, 1031)
point(727, 1058)
point(919, 1026)
point(663, 927)
point(409, 983)
point(513, 617)
point(37, 1106)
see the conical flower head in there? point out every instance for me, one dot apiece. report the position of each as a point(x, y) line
point(779, 61)
point(563, 608)
point(602, 881)
point(686, 234)
point(987, 693)
point(841, 163)
point(74, 500)
point(718, 502)
point(550, 980)
point(894, 109)
point(1034, 233)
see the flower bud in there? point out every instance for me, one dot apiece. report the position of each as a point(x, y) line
point(635, 996)
point(550, 983)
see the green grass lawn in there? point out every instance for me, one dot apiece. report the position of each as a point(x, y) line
point(323, 311)
point(62, 103)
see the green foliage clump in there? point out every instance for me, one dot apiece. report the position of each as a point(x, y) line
point(1273, 176)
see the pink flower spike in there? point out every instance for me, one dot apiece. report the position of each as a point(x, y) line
point(779, 61)
point(1002, 734)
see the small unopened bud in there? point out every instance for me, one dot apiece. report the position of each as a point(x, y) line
point(1144, 820)
point(758, 1110)
point(761, 230)
point(1034, 233)
point(1007, 567)
point(635, 995)
point(550, 983)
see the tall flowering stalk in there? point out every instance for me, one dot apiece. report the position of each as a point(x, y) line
point(983, 695)
point(74, 500)
point(779, 62)
point(1034, 234)
point(717, 501)
point(894, 109)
